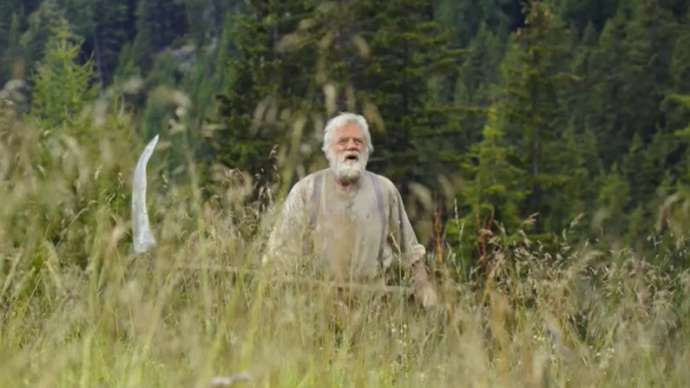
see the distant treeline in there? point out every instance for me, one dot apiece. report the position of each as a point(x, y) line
point(513, 116)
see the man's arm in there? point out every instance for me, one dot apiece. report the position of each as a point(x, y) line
point(285, 240)
point(411, 251)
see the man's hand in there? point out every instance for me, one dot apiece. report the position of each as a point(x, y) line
point(427, 295)
point(424, 290)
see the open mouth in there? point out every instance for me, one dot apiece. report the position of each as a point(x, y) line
point(351, 158)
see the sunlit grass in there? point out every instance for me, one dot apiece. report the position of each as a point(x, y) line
point(78, 309)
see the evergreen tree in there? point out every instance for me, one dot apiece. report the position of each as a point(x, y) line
point(412, 54)
point(677, 114)
point(11, 60)
point(80, 14)
point(644, 166)
point(62, 86)
point(533, 74)
point(629, 96)
point(466, 17)
point(477, 73)
point(609, 89)
point(651, 38)
point(581, 13)
point(259, 82)
point(578, 102)
point(41, 24)
point(576, 157)
point(112, 29)
point(496, 189)
point(9, 10)
point(609, 219)
point(159, 24)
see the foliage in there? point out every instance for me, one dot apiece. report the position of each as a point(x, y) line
point(587, 93)
point(542, 151)
point(62, 87)
point(198, 307)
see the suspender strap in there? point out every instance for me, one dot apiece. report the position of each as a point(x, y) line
point(315, 198)
point(382, 212)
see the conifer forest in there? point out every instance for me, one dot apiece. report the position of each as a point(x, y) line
point(542, 150)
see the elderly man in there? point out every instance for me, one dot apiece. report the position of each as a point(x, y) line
point(347, 223)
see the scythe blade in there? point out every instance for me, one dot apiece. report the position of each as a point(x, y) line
point(143, 239)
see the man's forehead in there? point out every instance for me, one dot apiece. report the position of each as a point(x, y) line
point(349, 130)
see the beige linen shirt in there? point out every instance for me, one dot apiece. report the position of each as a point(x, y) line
point(339, 234)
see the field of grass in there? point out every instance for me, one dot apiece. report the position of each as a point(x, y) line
point(77, 309)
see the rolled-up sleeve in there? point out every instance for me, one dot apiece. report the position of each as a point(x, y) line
point(408, 248)
point(286, 239)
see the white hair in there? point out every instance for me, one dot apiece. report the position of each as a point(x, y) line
point(342, 120)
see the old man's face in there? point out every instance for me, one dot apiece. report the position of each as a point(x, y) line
point(348, 153)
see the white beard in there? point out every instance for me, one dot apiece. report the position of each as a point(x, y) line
point(348, 170)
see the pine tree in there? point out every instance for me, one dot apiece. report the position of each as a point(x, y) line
point(478, 71)
point(644, 165)
point(631, 73)
point(576, 95)
point(259, 80)
point(466, 17)
point(651, 41)
point(411, 54)
point(533, 72)
point(497, 188)
point(9, 10)
point(677, 114)
point(41, 24)
point(342, 51)
point(493, 194)
point(581, 13)
point(159, 23)
point(11, 64)
point(80, 14)
point(609, 220)
point(112, 29)
point(576, 158)
point(62, 85)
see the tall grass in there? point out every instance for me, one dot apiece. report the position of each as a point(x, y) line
point(77, 308)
